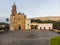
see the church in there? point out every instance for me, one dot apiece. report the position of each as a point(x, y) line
point(18, 21)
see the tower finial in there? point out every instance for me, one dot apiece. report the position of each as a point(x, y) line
point(14, 4)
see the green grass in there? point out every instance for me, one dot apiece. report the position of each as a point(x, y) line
point(55, 40)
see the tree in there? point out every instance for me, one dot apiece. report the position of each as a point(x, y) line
point(38, 21)
point(32, 20)
point(7, 19)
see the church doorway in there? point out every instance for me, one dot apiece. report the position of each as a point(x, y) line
point(19, 27)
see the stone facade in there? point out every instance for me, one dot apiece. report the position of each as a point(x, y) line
point(17, 21)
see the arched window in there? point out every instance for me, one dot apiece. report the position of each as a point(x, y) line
point(44, 28)
point(40, 28)
point(49, 28)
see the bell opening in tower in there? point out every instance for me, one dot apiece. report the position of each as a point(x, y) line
point(13, 11)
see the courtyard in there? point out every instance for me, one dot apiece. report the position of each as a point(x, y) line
point(32, 37)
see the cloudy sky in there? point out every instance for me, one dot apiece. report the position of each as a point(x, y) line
point(31, 8)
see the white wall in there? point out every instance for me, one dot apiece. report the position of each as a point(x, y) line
point(42, 25)
point(46, 25)
point(27, 24)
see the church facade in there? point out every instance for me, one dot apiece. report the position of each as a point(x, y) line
point(18, 21)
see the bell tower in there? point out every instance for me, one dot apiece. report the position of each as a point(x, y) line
point(13, 11)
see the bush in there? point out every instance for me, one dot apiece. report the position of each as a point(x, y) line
point(55, 41)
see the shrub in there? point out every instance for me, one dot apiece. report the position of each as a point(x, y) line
point(55, 41)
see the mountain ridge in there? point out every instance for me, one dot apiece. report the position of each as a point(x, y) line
point(53, 18)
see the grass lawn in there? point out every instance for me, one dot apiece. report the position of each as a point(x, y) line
point(55, 40)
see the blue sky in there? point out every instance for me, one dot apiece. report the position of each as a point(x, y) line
point(31, 8)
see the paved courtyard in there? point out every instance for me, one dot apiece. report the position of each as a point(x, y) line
point(32, 37)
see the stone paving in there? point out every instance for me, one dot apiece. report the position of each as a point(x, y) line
point(32, 37)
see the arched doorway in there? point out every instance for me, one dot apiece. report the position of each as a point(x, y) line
point(32, 26)
point(19, 27)
point(44, 28)
point(49, 28)
point(36, 26)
